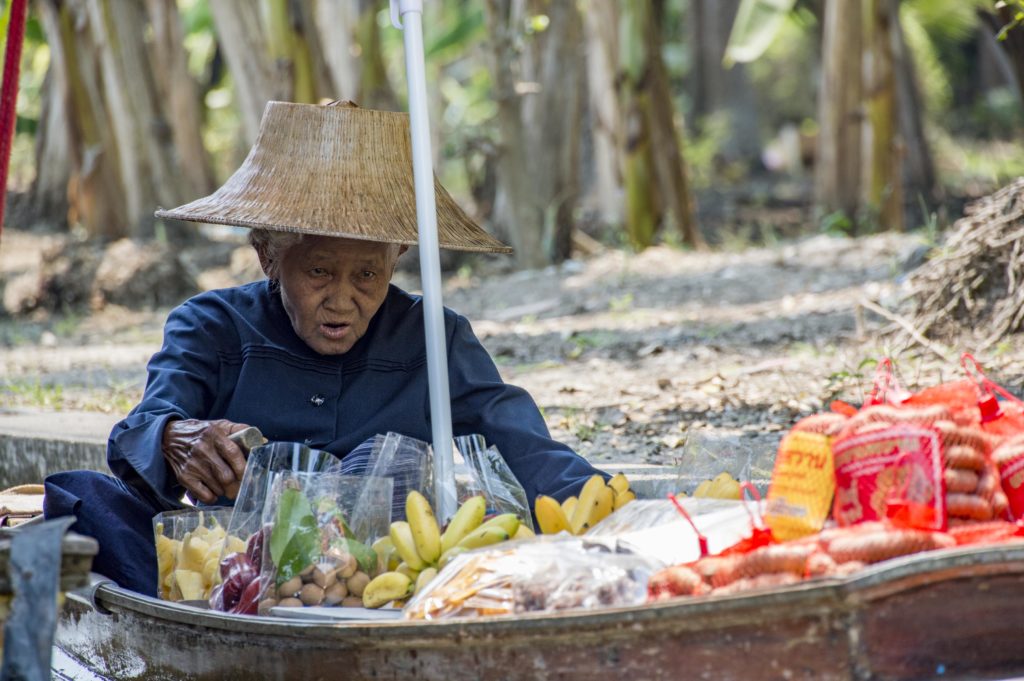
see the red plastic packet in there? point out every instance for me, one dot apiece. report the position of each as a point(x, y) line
point(894, 472)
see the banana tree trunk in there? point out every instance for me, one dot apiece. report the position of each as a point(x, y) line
point(885, 149)
point(179, 93)
point(643, 203)
point(601, 22)
point(666, 140)
point(337, 26)
point(93, 187)
point(837, 171)
point(48, 195)
point(918, 166)
point(537, 89)
point(145, 146)
point(243, 41)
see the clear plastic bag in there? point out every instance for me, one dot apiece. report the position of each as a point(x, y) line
point(654, 528)
point(478, 470)
point(242, 565)
point(318, 531)
point(547, 574)
point(707, 459)
point(189, 544)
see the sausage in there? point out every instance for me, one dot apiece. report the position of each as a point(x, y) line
point(878, 546)
point(961, 480)
point(677, 580)
point(962, 456)
point(970, 506)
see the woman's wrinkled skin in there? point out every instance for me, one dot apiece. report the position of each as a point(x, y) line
point(205, 461)
point(330, 288)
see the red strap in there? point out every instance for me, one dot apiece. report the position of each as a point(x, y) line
point(702, 541)
point(886, 387)
point(988, 404)
point(9, 93)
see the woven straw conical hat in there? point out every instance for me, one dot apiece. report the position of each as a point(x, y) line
point(333, 170)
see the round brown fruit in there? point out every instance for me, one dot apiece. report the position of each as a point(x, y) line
point(348, 566)
point(335, 593)
point(357, 583)
point(311, 594)
point(324, 575)
point(290, 588)
point(352, 602)
point(289, 603)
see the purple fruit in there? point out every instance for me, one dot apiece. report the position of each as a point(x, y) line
point(248, 603)
point(217, 598)
point(254, 547)
point(238, 572)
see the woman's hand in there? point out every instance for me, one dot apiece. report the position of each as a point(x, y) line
point(204, 460)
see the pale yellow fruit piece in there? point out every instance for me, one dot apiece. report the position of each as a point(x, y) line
point(724, 486)
point(624, 498)
point(551, 517)
point(619, 483)
point(235, 544)
point(385, 588)
point(523, 532)
point(600, 509)
point(193, 554)
point(424, 579)
point(190, 584)
point(569, 507)
point(211, 570)
point(702, 489)
point(585, 506)
point(401, 537)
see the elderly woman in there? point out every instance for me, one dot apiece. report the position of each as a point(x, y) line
point(324, 351)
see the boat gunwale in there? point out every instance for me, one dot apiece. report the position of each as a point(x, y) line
point(811, 598)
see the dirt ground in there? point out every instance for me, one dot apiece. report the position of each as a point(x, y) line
point(626, 354)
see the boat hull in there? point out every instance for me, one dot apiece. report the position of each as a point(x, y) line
point(955, 614)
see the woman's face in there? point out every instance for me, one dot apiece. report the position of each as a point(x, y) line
point(331, 288)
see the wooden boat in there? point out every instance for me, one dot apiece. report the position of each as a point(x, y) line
point(954, 614)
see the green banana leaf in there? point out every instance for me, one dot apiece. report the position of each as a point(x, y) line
point(295, 539)
point(756, 25)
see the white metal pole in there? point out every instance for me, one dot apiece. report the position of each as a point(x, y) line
point(408, 16)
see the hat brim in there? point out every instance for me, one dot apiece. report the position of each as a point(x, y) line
point(333, 171)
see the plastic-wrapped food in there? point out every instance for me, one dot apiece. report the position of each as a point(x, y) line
point(238, 564)
point(803, 480)
point(189, 544)
point(655, 529)
point(890, 471)
point(317, 536)
point(708, 460)
point(1009, 457)
point(547, 574)
point(478, 470)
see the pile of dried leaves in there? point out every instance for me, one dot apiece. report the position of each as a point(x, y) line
point(976, 282)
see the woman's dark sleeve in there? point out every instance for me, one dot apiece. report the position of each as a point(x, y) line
point(181, 384)
point(509, 419)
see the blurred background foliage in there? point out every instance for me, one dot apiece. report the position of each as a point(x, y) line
point(556, 122)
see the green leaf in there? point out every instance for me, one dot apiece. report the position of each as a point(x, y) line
point(460, 34)
point(756, 26)
point(364, 555)
point(295, 539)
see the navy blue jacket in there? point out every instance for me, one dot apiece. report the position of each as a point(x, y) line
point(233, 354)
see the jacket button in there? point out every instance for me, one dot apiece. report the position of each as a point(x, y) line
point(316, 400)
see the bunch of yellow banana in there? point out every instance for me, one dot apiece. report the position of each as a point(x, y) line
point(416, 548)
point(724, 486)
point(575, 515)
